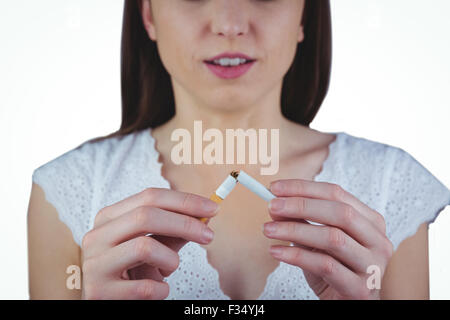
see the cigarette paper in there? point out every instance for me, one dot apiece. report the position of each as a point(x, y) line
point(254, 186)
point(225, 188)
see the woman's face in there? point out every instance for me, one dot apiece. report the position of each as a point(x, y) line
point(190, 32)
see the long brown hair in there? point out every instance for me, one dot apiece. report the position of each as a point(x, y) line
point(147, 96)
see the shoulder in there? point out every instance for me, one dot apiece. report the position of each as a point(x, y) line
point(89, 155)
point(72, 180)
point(392, 181)
point(358, 164)
point(360, 149)
point(365, 161)
point(391, 163)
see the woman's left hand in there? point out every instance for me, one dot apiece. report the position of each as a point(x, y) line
point(338, 256)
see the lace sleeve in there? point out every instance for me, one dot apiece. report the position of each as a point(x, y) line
point(415, 196)
point(67, 183)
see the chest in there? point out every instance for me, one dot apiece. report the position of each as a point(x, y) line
point(240, 251)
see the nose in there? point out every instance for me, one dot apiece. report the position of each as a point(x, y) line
point(229, 18)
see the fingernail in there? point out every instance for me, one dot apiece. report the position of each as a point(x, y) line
point(276, 251)
point(210, 206)
point(208, 234)
point(276, 204)
point(276, 187)
point(270, 227)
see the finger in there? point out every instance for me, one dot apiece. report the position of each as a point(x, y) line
point(332, 240)
point(326, 191)
point(337, 214)
point(145, 271)
point(343, 280)
point(145, 289)
point(135, 252)
point(168, 199)
point(144, 220)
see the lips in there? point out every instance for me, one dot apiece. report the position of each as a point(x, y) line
point(230, 72)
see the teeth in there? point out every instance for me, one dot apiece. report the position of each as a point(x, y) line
point(230, 62)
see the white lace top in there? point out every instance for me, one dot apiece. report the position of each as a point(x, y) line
point(94, 175)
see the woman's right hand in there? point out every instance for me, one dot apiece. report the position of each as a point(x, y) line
point(120, 262)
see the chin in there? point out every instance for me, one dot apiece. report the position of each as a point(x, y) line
point(226, 96)
point(229, 103)
point(226, 106)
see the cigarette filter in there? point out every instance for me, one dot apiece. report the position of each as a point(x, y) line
point(222, 191)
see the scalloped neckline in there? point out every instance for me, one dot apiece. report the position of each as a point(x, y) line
point(155, 155)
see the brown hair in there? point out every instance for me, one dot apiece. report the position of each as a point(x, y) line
point(147, 97)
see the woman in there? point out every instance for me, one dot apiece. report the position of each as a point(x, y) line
point(362, 198)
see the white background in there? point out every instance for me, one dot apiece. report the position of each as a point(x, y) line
point(60, 86)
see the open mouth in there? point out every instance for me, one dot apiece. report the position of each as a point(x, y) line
point(228, 63)
point(230, 67)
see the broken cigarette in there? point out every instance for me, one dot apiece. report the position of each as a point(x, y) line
point(247, 181)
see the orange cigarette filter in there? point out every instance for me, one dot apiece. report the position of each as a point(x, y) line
point(223, 190)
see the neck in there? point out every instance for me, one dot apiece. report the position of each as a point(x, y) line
point(263, 113)
point(195, 116)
